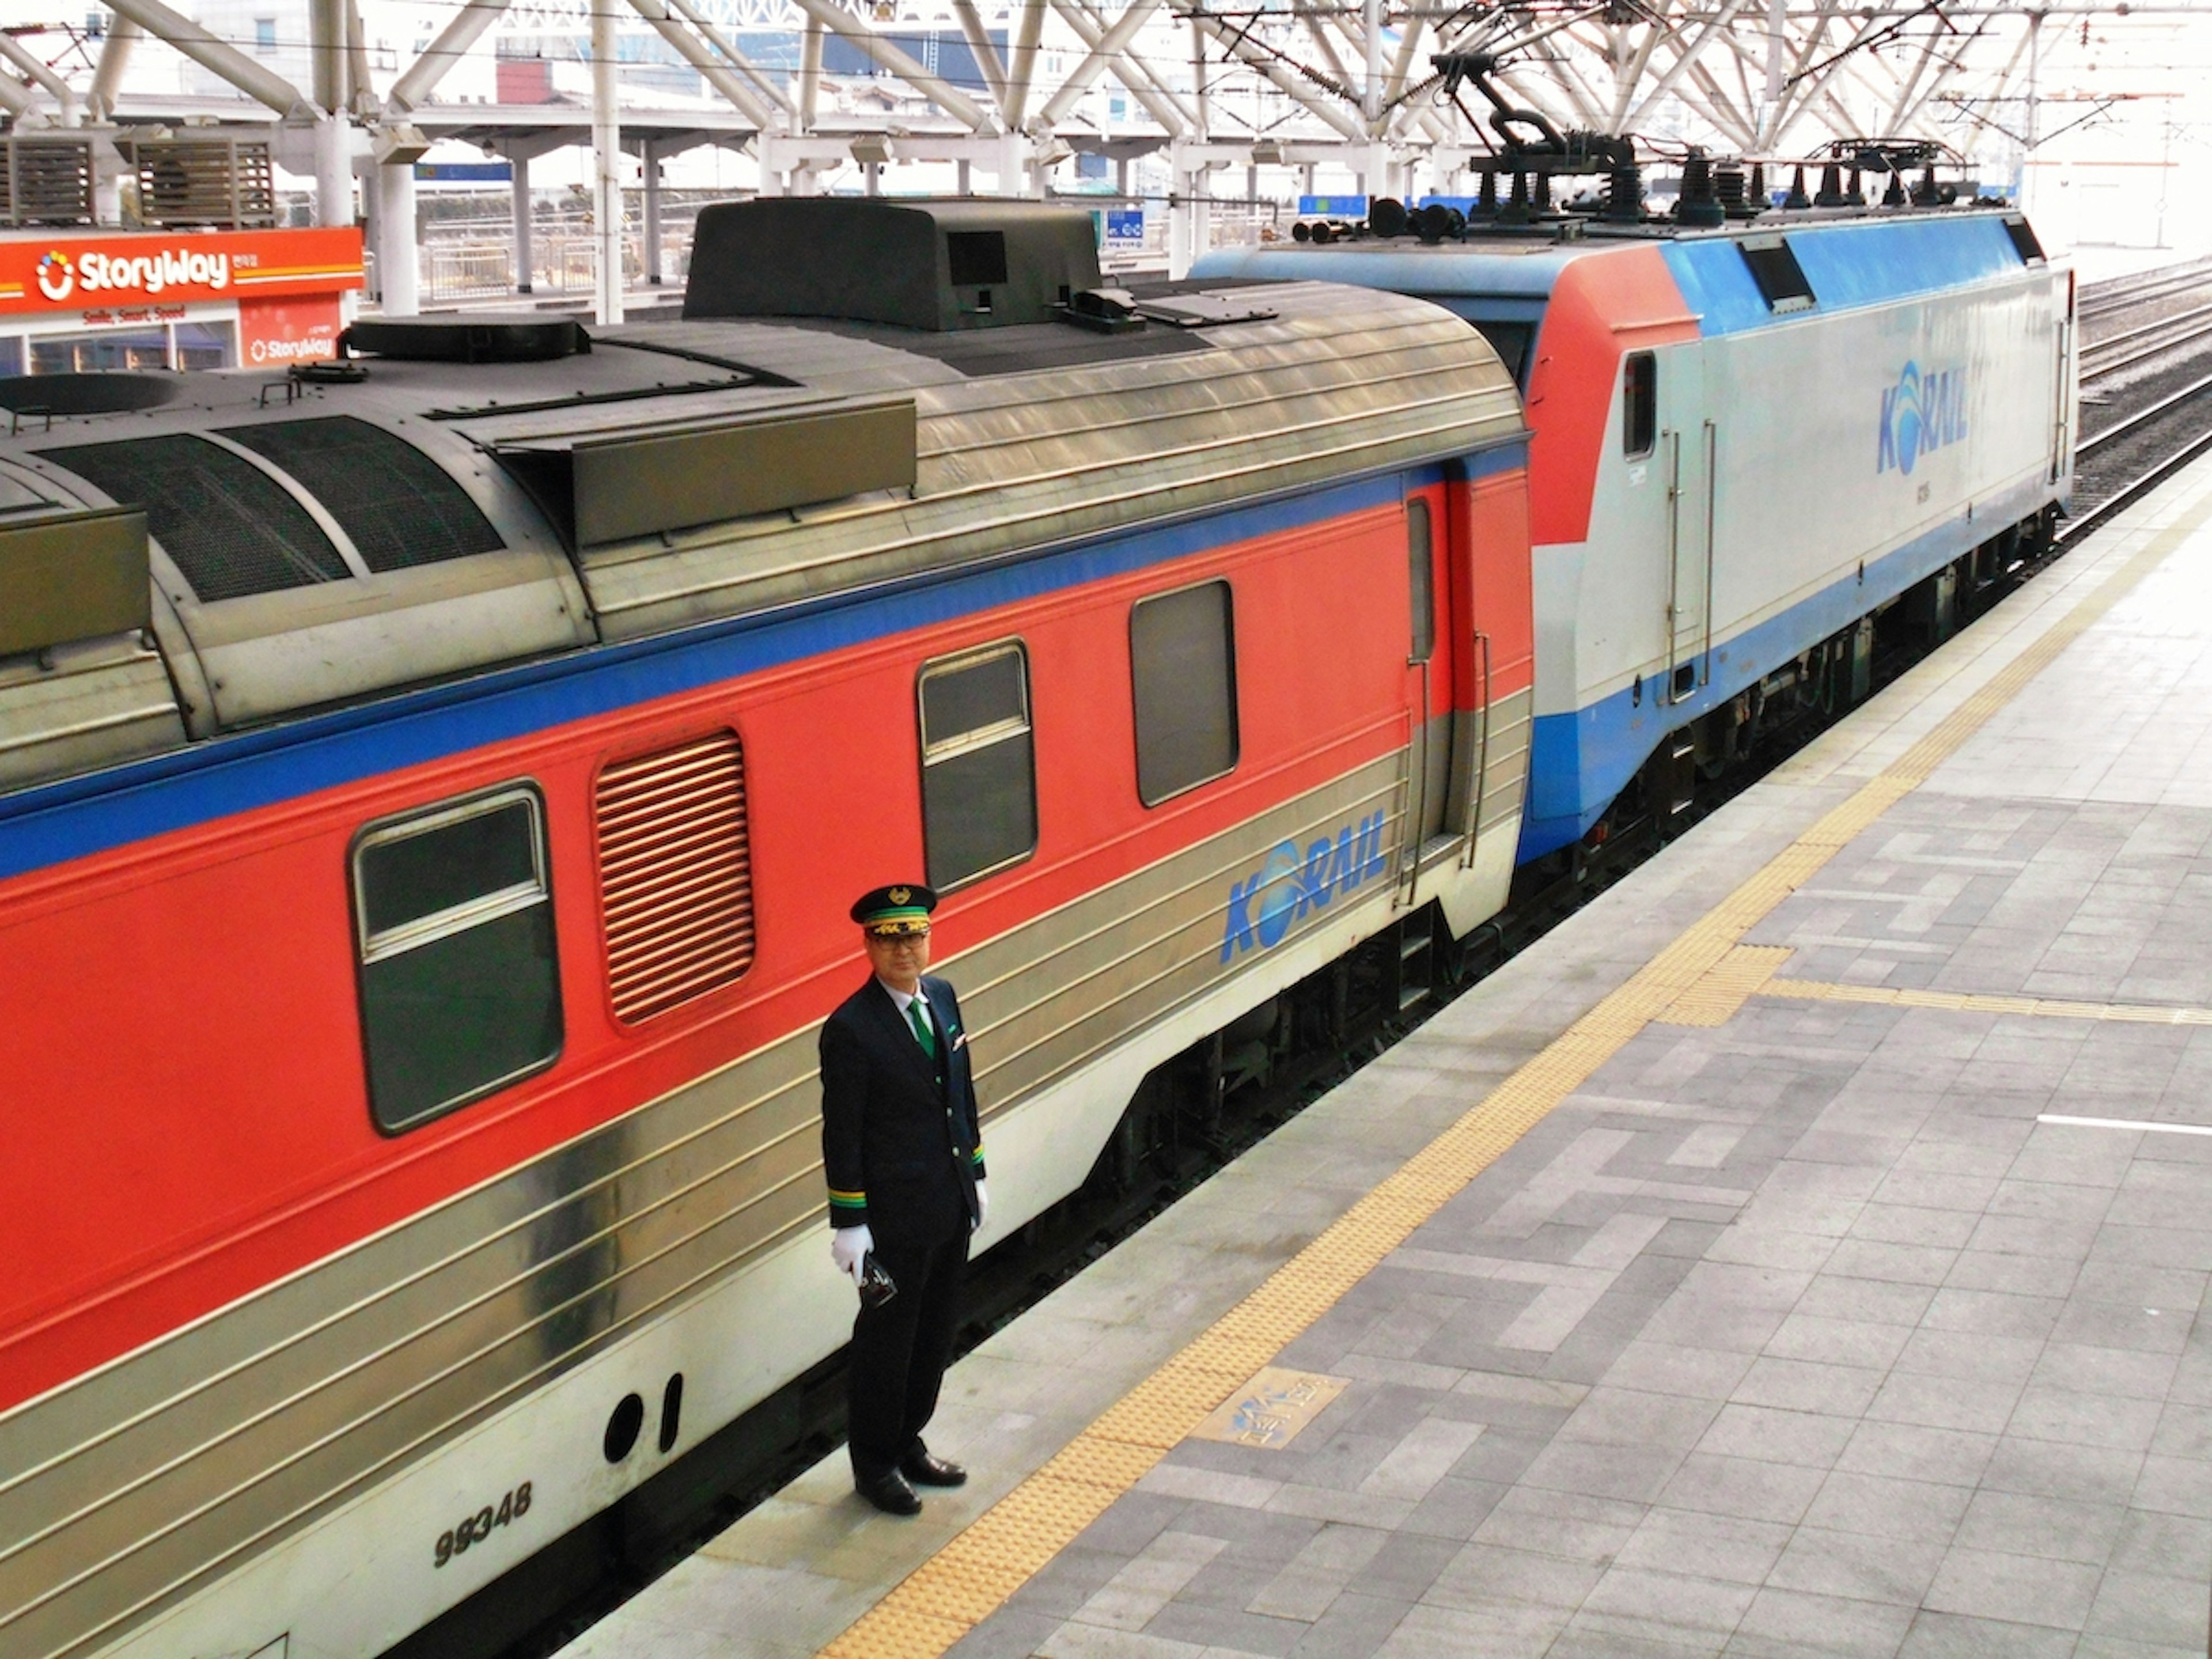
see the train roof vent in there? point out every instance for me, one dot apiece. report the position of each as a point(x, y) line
point(676, 878)
point(2025, 242)
point(1774, 267)
point(913, 264)
point(480, 338)
point(231, 529)
point(400, 507)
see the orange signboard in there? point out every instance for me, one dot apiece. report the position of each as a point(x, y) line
point(281, 332)
point(64, 271)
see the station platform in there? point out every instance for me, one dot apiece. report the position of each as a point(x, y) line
point(1798, 1252)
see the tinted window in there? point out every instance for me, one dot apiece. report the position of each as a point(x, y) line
point(1183, 667)
point(976, 257)
point(1421, 572)
point(978, 767)
point(1510, 342)
point(2025, 242)
point(459, 985)
point(1639, 403)
point(1775, 268)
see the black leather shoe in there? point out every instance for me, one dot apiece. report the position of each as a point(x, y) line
point(926, 1471)
point(889, 1493)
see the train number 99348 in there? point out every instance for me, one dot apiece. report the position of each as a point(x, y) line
point(475, 1528)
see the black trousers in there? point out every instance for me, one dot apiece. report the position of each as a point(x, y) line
point(899, 1353)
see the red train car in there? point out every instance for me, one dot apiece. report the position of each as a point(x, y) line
point(430, 804)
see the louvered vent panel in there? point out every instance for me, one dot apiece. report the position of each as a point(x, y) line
point(674, 875)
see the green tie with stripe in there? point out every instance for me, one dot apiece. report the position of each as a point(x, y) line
point(922, 1033)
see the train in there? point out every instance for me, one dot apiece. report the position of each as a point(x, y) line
point(1759, 433)
point(434, 785)
point(431, 785)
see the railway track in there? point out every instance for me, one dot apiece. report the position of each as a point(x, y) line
point(2156, 416)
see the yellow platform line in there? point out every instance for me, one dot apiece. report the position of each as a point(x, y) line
point(974, 1574)
point(1974, 1002)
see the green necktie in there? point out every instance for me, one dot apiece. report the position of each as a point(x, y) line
point(922, 1032)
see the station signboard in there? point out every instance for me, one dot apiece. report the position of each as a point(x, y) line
point(63, 271)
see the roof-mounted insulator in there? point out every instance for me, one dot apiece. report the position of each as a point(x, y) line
point(1797, 198)
point(1698, 206)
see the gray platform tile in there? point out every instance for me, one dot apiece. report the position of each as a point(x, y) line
point(1664, 1607)
point(2162, 1546)
point(1456, 1508)
point(1573, 1526)
point(2129, 1373)
point(1227, 1629)
point(1990, 1355)
point(1859, 1565)
point(1906, 1183)
point(1637, 1474)
point(2052, 1468)
point(1766, 1244)
point(1075, 1641)
point(2157, 1612)
point(1695, 1373)
point(2134, 1206)
point(1914, 1451)
point(2115, 1647)
point(2018, 1588)
point(1728, 1547)
point(1748, 1487)
point(2088, 1158)
point(1328, 1504)
point(1009, 1633)
point(624, 1635)
point(1599, 1639)
point(1905, 1264)
point(1631, 1417)
point(780, 1605)
point(1072, 1577)
point(1902, 1223)
point(1502, 1455)
point(1805, 1385)
point(1353, 1627)
point(1423, 1455)
point(1807, 1439)
point(1495, 1630)
point(2085, 1419)
point(1978, 1269)
point(1193, 1481)
point(1888, 1506)
point(1783, 1624)
point(1367, 1365)
point(2183, 1431)
point(1867, 1301)
point(1129, 1600)
point(2053, 1529)
point(1258, 1538)
point(1977, 1404)
point(1972, 1310)
point(2155, 1247)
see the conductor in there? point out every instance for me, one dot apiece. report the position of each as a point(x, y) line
point(903, 1157)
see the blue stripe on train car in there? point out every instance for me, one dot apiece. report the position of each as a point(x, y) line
point(1848, 265)
point(243, 773)
point(1579, 762)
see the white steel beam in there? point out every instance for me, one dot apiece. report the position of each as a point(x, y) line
point(762, 82)
point(64, 95)
point(712, 69)
point(1110, 46)
point(114, 58)
point(886, 56)
point(1022, 69)
point(1254, 55)
point(987, 55)
point(1175, 117)
point(218, 57)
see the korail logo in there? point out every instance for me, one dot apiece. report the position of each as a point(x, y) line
point(1920, 415)
point(57, 276)
point(1289, 884)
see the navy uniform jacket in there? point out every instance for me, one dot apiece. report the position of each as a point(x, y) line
point(901, 1150)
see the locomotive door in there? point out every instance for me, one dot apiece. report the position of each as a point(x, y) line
point(1431, 762)
point(1689, 452)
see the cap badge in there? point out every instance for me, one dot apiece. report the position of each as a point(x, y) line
point(900, 895)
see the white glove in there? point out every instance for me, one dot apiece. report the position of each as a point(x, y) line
point(849, 1247)
point(982, 1204)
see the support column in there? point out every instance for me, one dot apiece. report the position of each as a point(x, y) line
point(1182, 217)
point(962, 186)
point(606, 166)
point(372, 218)
point(333, 170)
point(396, 242)
point(524, 254)
point(651, 162)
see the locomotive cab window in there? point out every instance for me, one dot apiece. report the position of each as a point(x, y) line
point(978, 767)
point(461, 989)
point(1420, 569)
point(1182, 671)
point(1639, 404)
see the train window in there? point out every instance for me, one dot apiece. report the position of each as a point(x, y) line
point(676, 874)
point(2025, 242)
point(1421, 569)
point(978, 767)
point(400, 506)
point(1182, 670)
point(461, 989)
point(1781, 282)
point(1639, 404)
point(1510, 342)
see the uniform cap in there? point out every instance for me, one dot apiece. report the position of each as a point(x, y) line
point(895, 911)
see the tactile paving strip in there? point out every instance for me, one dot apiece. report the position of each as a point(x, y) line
point(956, 1589)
